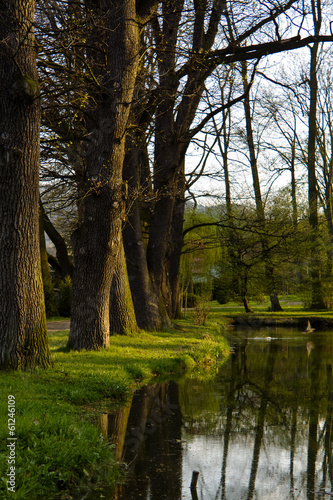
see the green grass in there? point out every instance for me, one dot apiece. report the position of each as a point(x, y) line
point(292, 307)
point(59, 450)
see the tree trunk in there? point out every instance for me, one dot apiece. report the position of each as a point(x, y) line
point(294, 181)
point(251, 146)
point(50, 304)
point(23, 334)
point(97, 239)
point(269, 269)
point(122, 315)
point(176, 244)
point(247, 305)
point(317, 299)
point(59, 243)
point(145, 301)
point(166, 164)
point(275, 304)
point(144, 298)
point(165, 169)
point(244, 280)
point(172, 133)
point(159, 237)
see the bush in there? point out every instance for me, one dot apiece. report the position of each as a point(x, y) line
point(65, 297)
point(192, 300)
point(202, 309)
point(49, 298)
point(221, 291)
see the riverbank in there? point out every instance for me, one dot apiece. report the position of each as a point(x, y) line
point(293, 315)
point(58, 449)
point(254, 321)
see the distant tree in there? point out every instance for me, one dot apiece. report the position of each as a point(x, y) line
point(183, 77)
point(324, 139)
point(316, 265)
point(23, 334)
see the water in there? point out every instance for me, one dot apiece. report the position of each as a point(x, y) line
point(261, 430)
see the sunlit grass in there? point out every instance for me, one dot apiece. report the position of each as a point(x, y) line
point(292, 307)
point(59, 449)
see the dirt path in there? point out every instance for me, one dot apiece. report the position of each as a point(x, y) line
point(54, 326)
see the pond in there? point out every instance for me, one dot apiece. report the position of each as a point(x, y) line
point(262, 429)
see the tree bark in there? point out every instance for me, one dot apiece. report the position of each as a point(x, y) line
point(145, 301)
point(275, 304)
point(122, 314)
point(317, 299)
point(172, 133)
point(23, 334)
point(176, 245)
point(97, 239)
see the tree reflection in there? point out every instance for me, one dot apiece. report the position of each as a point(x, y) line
point(285, 383)
point(268, 417)
point(152, 444)
point(313, 443)
point(261, 418)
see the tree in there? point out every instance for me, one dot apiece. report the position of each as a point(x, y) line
point(107, 61)
point(260, 209)
point(324, 141)
point(97, 238)
point(122, 314)
point(23, 334)
point(317, 288)
point(181, 85)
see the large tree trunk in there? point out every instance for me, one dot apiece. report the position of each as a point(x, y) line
point(23, 335)
point(145, 301)
point(122, 314)
point(101, 210)
point(166, 163)
point(172, 132)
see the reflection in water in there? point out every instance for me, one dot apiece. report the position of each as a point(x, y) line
point(261, 430)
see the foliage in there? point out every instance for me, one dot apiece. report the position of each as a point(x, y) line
point(64, 297)
point(49, 298)
point(202, 309)
point(191, 300)
point(201, 251)
point(221, 290)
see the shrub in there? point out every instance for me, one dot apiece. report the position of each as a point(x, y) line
point(192, 300)
point(202, 310)
point(65, 297)
point(221, 291)
point(49, 298)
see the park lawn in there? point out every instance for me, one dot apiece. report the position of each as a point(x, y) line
point(292, 307)
point(59, 451)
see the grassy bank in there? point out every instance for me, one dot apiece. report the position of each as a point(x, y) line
point(59, 452)
point(293, 315)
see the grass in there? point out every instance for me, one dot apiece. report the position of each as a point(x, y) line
point(291, 305)
point(59, 451)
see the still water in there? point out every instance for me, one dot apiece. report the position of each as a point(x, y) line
point(262, 429)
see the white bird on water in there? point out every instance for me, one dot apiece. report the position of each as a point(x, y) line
point(309, 328)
